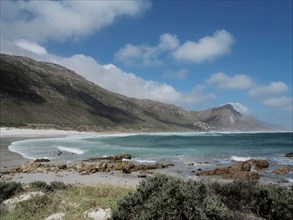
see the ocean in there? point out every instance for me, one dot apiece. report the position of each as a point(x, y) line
point(205, 149)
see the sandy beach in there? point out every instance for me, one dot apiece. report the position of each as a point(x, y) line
point(10, 160)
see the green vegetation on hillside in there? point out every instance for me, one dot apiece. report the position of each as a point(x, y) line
point(158, 197)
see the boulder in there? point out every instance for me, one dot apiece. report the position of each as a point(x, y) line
point(289, 155)
point(42, 160)
point(246, 170)
point(56, 216)
point(142, 174)
point(282, 170)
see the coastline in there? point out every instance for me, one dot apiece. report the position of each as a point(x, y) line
point(10, 160)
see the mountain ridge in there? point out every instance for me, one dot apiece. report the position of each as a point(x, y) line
point(41, 94)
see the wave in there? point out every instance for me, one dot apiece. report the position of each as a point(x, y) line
point(24, 155)
point(71, 150)
point(236, 158)
point(144, 161)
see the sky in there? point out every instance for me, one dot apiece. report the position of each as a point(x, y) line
point(195, 54)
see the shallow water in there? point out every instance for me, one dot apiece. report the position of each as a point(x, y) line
point(215, 149)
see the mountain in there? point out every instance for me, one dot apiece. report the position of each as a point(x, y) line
point(227, 118)
point(47, 95)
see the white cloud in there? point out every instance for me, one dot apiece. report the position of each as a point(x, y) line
point(31, 46)
point(142, 54)
point(274, 88)
point(225, 81)
point(168, 42)
point(41, 20)
point(207, 48)
point(180, 75)
point(114, 79)
point(240, 108)
point(283, 101)
point(145, 54)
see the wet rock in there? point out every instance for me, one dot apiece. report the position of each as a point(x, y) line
point(282, 170)
point(289, 155)
point(42, 160)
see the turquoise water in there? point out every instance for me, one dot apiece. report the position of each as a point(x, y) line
point(217, 149)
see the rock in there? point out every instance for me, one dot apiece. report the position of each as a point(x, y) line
point(142, 174)
point(126, 170)
point(246, 175)
point(6, 178)
point(41, 160)
point(10, 203)
point(56, 216)
point(289, 155)
point(100, 214)
point(281, 170)
point(245, 170)
point(62, 166)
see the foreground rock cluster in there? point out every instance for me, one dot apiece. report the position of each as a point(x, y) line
point(121, 163)
point(247, 170)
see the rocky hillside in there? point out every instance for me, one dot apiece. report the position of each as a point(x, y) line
point(40, 94)
point(227, 118)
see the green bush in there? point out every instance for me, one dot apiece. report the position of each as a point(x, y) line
point(166, 197)
point(266, 201)
point(33, 209)
point(8, 189)
point(58, 185)
point(41, 185)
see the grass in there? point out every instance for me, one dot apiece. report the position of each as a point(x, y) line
point(72, 200)
point(157, 197)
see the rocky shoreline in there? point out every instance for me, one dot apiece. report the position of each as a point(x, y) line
point(109, 164)
point(249, 170)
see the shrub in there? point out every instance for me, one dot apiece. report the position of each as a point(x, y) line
point(41, 185)
point(8, 189)
point(58, 185)
point(266, 201)
point(166, 197)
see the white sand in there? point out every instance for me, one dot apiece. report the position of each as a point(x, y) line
point(10, 159)
point(20, 132)
point(67, 177)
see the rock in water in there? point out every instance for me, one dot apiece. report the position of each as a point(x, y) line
point(289, 155)
point(42, 160)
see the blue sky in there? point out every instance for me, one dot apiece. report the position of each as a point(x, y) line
point(196, 54)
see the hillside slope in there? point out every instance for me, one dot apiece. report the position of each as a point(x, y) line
point(40, 94)
point(45, 94)
point(228, 119)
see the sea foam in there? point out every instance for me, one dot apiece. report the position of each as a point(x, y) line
point(236, 158)
point(71, 150)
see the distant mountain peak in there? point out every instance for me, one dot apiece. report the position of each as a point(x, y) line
point(40, 94)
